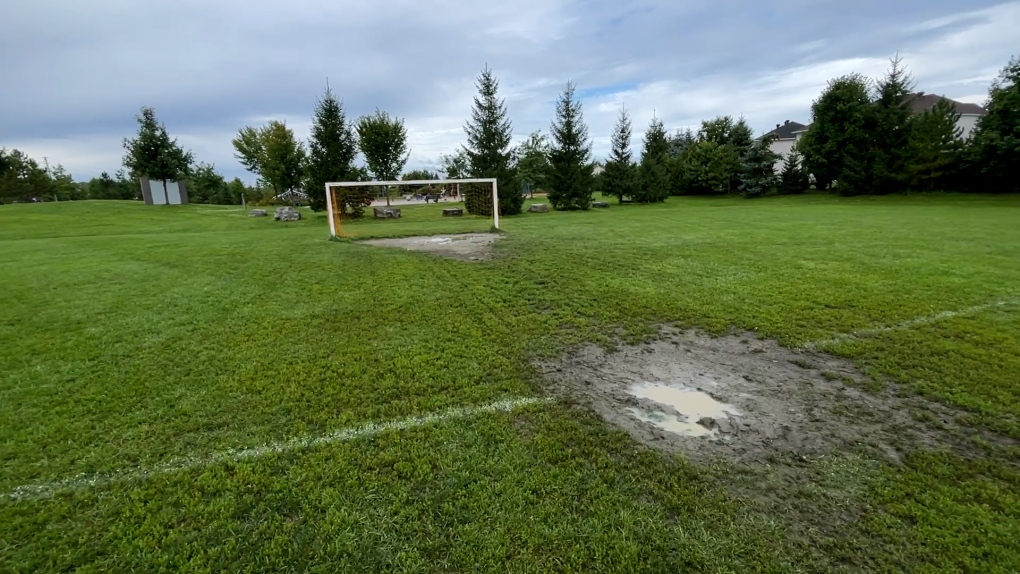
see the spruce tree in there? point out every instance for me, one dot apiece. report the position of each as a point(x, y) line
point(793, 179)
point(619, 175)
point(653, 175)
point(153, 154)
point(758, 169)
point(488, 148)
point(891, 129)
point(331, 151)
point(570, 177)
point(935, 146)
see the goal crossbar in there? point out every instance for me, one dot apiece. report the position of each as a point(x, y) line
point(333, 210)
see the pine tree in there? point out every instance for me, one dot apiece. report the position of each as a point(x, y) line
point(489, 134)
point(570, 179)
point(154, 154)
point(758, 169)
point(331, 151)
point(995, 144)
point(619, 178)
point(653, 175)
point(793, 179)
point(891, 131)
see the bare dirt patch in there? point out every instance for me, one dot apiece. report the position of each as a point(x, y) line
point(463, 246)
point(738, 399)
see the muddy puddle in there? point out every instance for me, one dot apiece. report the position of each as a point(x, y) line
point(741, 399)
point(463, 246)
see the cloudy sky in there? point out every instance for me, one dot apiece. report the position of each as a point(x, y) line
point(75, 73)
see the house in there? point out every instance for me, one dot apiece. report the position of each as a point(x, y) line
point(969, 113)
point(783, 138)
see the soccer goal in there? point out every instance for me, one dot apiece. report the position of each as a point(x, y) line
point(344, 199)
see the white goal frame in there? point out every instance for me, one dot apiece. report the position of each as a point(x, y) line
point(332, 209)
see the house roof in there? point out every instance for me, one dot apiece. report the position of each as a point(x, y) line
point(787, 131)
point(921, 102)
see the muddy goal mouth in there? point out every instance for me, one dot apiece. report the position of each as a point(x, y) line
point(462, 246)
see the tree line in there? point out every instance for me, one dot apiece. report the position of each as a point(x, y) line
point(863, 139)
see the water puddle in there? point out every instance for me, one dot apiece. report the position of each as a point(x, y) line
point(691, 404)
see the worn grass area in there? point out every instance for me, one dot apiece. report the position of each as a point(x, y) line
point(134, 336)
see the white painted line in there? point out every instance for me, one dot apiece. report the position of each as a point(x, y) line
point(909, 324)
point(83, 481)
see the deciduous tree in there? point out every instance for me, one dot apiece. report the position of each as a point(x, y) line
point(995, 143)
point(383, 141)
point(839, 146)
point(273, 154)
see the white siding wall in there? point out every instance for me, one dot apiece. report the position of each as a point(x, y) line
point(782, 147)
point(967, 123)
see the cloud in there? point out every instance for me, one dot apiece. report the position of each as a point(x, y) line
point(209, 67)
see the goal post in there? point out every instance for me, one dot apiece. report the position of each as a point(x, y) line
point(334, 210)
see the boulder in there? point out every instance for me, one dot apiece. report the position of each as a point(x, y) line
point(386, 212)
point(539, 208)
point(453, 212)
point(258, 213)
point(600, 204)
point(287, 213)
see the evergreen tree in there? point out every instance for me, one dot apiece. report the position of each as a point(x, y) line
point(934, 147)
point(331, 149)
point(793, 179)
point(653, 177)
point(891, 131)
point(205, 185)
point(758, 169)
point(839, 145)
point(153, 154)
point(489, 153)
point(570, 177)
point(704, 169)
point(619, 177)
point(995, 143)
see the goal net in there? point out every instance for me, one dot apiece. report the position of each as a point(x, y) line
point(347, 200)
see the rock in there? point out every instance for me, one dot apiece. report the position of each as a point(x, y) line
point(386, 212)
point(539, 208)
point(258, 213)
point(600, 204)
point(453, 212)
point(286, 213)
point(725, 426)
point(707, 422)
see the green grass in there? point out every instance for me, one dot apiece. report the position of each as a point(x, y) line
point(132, 336)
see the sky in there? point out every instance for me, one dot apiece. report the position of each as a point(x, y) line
point(74, 74)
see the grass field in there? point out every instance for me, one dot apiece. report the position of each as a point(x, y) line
point(189, 389)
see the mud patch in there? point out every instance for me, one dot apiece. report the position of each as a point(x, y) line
point(463, 246)
point(738, 399)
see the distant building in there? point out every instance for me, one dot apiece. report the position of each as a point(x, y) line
point(783, 138)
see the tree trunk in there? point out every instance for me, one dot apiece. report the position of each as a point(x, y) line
point(387, 188)
point(166, 194)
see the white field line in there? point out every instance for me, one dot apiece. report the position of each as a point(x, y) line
point(909, 324)
point(83, 481)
